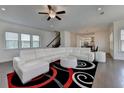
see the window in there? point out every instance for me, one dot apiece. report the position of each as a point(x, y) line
point(25, 41)
point(35, 41)
point(21, 40)
point(122, 40)
point(11, 40)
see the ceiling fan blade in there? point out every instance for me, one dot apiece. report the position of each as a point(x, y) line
point(48, 18)
point(42, 13)
point(60, 12)
point(49, 7)
point(58, 18)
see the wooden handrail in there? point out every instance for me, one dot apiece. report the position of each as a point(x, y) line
point(53, 40)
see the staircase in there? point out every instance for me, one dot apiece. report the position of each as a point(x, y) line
point(56, 40)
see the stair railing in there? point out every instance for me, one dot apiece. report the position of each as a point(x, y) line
point(58, 36)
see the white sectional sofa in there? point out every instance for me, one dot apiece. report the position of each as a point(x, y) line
point(33, 62)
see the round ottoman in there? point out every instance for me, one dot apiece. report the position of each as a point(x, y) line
point(69, 62)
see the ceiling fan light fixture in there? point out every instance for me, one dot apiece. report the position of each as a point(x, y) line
point(99, 9)
point(3, 9)
point(52, 14)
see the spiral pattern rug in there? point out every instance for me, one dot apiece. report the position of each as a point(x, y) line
point(59, 77)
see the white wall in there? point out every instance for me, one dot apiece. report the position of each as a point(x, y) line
point(7, 54)
point(118, 25)
point(65, 39)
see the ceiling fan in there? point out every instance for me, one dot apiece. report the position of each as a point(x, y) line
point(52, 13)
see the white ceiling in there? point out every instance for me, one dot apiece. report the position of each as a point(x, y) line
point(77, 17)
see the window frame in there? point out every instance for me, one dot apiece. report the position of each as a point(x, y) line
point(21, 41)
point(6, 40)
point(120, 41)
point(32, 41)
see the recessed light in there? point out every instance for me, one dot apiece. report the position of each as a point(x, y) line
point(3, 9)
point(99, 9)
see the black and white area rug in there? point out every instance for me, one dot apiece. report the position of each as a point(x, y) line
point(59, 77)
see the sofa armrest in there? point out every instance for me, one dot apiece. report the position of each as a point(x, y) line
point(91, 56)
point(17, 61)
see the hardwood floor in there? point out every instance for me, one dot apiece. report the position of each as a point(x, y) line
point(4, 69)
point(108, 75)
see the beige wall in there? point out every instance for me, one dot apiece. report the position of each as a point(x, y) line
point(101, 38)
point(73, 39)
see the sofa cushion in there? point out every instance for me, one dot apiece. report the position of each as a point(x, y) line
point(40, 53)
point(27, 55)
point(68, 50)
point(33, 64)
point(83, 56)
point(54, 51)
point(85, 50)
point(76, 51)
